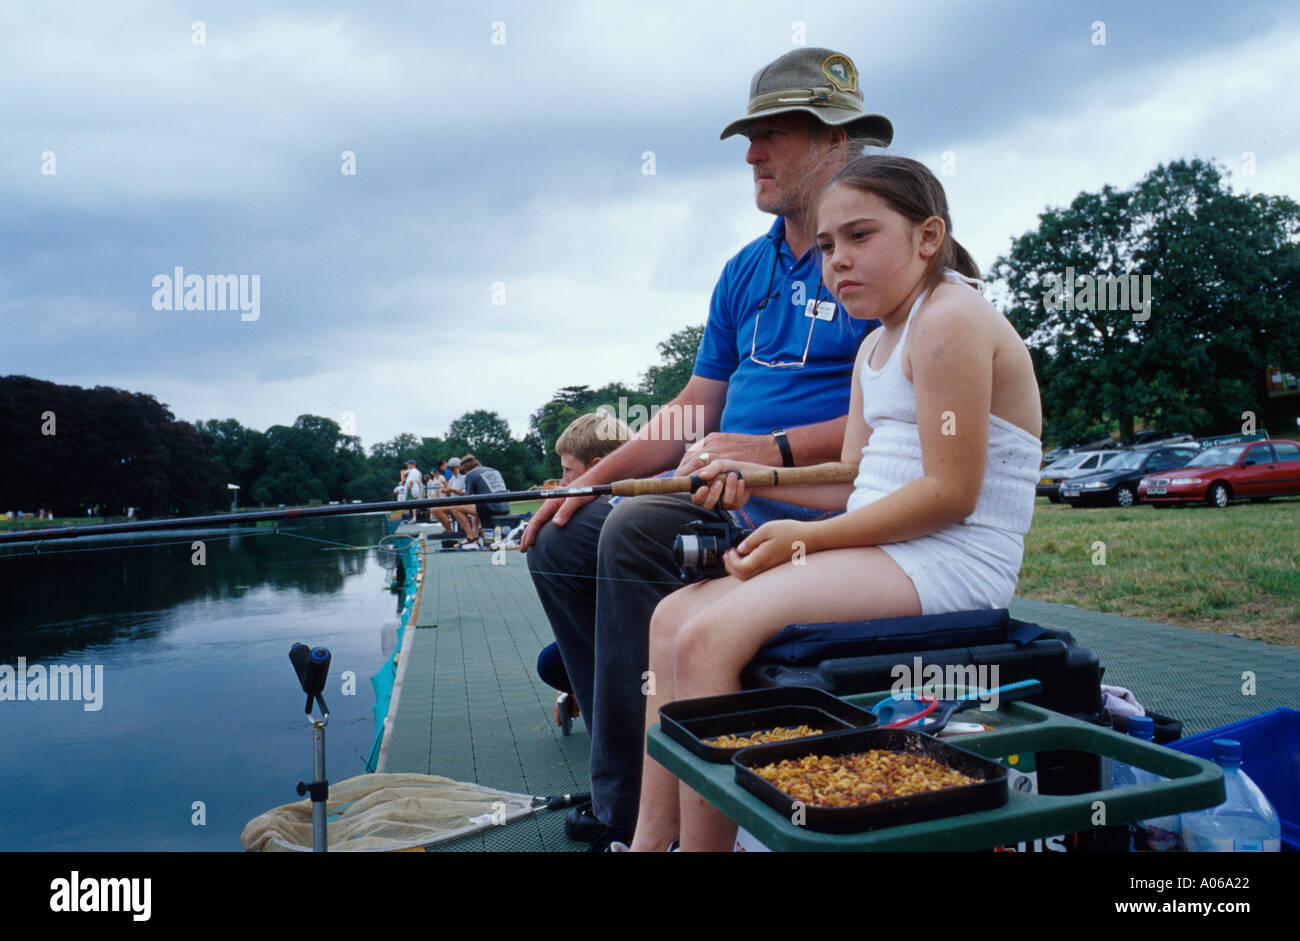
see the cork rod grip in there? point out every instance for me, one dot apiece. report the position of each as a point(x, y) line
point(771, 477)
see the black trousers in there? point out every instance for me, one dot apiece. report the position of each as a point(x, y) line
point(599, 579)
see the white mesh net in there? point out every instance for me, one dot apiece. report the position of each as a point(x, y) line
point(387, 812)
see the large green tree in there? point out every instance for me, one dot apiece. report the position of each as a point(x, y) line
point(664, 381)
point(659, 385)
point(487, 436)
point(480, 430)
point(1224, 271)
point(396, 450)
point(312, 460)
point(545, 426)
point(240, 451)
point(65, 448)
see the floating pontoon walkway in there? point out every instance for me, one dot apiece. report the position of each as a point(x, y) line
point(469, 704)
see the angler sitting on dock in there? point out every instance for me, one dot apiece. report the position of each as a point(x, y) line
point(435, 486)
point(479, 480)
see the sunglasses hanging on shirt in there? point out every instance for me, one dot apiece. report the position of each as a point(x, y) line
point(815, 310)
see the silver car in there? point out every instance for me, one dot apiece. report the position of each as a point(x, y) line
point(1076, 465)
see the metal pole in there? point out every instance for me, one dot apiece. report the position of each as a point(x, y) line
point(312, 666)
point(319, 840)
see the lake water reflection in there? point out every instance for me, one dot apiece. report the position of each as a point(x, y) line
point(199, 701)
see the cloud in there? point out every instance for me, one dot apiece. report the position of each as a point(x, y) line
point(522, 163)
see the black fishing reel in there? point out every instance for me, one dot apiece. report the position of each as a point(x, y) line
point(698, 549)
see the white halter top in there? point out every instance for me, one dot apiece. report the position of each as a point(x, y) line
point(892, 458)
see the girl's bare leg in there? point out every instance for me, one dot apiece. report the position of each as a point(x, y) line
point(657, 822)
point(714, 642)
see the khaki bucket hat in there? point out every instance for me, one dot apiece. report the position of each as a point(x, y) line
point(816, 81)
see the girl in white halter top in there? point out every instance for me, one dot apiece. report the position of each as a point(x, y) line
point(975, 562)
point(934, 521)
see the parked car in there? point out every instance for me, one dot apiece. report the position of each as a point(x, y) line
point(1255, 470)
point(1064, 462)
point(1117, 483)
point(1140, 439)
point(1076, 465)
point(1152, 439)
point(1097, 444)
point(1186, 439)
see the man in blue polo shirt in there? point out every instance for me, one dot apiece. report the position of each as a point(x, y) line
point(771, 385)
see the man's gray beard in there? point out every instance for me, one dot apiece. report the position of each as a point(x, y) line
point(814, 173)
point(783, 205)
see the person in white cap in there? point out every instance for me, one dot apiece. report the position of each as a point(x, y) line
point(456, 482)
point(455, 487)
point(770, 385)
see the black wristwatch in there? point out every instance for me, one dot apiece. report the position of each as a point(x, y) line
point(787, 456)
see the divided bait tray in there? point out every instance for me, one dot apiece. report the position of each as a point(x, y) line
point(1020, 729)
point(987, 792)
point(691, 721)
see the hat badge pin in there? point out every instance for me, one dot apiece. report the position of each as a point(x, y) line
point(839, 69)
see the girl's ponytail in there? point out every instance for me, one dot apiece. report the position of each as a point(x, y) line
point(961, 261)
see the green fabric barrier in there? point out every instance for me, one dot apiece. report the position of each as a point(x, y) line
point(382, 682)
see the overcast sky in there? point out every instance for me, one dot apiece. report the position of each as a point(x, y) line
point(504, 142)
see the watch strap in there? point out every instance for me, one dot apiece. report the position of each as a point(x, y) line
point(783, 444)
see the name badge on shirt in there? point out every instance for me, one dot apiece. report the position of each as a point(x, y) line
point(822, 310)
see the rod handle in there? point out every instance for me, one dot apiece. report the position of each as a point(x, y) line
point(835, 473)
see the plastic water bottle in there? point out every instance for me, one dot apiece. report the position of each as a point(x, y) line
point(1158, 834)
point(1245, 822)
point(1121, 774)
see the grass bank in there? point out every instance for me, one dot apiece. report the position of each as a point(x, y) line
point(1235, 570)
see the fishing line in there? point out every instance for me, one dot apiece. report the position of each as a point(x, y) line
point(328, 542)
point(177, 542)
point(38, 551)
point(594, 578)
point(609, 578)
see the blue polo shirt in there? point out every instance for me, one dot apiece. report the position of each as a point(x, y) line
point(760, 398)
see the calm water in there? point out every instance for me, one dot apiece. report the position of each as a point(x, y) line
point(199, 700)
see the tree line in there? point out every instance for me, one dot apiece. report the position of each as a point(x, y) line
point(68, 449)
point(1224, 273)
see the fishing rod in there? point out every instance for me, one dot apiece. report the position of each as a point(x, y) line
point(632, 487)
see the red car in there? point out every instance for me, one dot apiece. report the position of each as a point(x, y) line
point(1254, 469)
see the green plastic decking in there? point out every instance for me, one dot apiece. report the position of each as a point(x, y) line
point(472, 708)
